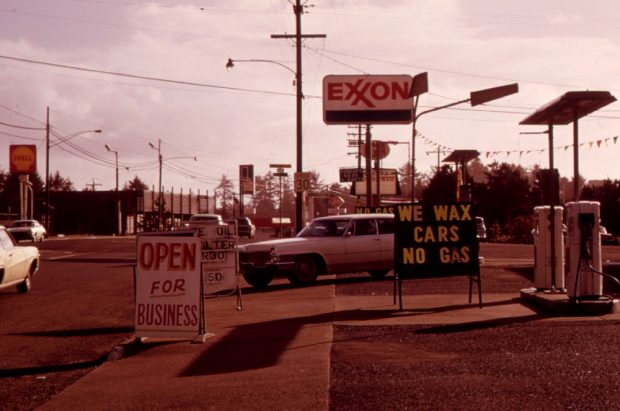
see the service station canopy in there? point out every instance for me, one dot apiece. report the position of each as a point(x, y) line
point(569, 107)
point(461, 156)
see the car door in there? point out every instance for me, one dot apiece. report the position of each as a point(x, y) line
point(363, 245)
point(386, 235)
point(12, 259)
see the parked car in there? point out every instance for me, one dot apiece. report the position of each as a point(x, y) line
point(245, 228)
point(200, 220)
point(28, 230)
point(328, 245)
point(17, 264)
point(607, 238)
point(481, 229)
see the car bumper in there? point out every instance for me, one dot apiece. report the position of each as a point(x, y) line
point(276, 268)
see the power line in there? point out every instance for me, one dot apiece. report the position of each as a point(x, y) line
point(23, 127)
point(139, 77)
point(40, 140)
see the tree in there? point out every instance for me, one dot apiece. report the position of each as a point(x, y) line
point(404, 174)
point(225, 191)
point(442, 187)
point(135, 185)
point(59, 183)
point(608, 194)
point(506, 202)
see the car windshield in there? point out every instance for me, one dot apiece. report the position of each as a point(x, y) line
point(325, 228)
point(203, 218)
point(23, 224)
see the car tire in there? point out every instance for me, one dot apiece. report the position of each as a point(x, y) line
point(378, 274)
point(305, 272)
point(25, 286)
point(258, 278)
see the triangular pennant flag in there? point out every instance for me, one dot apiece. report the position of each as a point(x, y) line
point(615, 139)
point(598, 143)
point(590, 143)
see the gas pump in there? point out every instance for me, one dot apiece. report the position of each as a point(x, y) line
point(544, 277)
point(584, 264)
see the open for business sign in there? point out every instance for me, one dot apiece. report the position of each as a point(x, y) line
point(367, 99)
point(168, 287)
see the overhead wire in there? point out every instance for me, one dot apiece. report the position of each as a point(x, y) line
point(148, 78)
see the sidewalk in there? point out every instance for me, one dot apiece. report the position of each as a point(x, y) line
point(275, 354)
point(275, 351)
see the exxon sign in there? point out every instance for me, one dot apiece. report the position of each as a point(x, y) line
point(370, 99)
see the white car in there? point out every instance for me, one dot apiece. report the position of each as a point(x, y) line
point(329, 245)
point(17, 264)
point(30, 230)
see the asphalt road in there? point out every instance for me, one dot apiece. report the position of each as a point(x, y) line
point(81, 306)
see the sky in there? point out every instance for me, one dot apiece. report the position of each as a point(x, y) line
point(152, 74)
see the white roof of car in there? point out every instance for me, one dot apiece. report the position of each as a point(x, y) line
point(355, 216)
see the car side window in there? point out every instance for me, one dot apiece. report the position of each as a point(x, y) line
point(386, 226)
point(365, 227)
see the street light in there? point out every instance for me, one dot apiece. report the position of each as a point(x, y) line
point(475, 98)
point(298, 97)
point(116, 162)
point(161, 163)
point(47, 163)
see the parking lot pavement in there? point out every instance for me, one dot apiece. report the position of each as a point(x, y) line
point(345, 345)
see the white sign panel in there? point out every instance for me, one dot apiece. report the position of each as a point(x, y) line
point(367, 99)
point(168, 287)
point(218, 279)
point(387, 183)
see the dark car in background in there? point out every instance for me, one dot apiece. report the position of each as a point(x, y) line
point(245, 228)
point(30, 230)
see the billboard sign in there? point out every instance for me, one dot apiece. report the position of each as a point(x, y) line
point(351, 175)
point(246, 178)
point(367, 99)
point(388, 183)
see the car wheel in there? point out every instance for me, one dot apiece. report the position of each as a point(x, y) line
point(378, 273)
point(305, 272)
point(25, 285)
point(258, 278)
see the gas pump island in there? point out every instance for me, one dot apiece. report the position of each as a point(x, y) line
point(568, 275)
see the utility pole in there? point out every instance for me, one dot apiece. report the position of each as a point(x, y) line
point(439, 152)
point(93, 184)
point(160, 198)
point(298, 9)
point(356, 143)
point(368, 166)
point(47, 172)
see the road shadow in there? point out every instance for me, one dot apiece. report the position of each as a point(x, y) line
point(261, 345)
point(80, 332)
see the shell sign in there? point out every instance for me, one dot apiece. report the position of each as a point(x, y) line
point(23, 159)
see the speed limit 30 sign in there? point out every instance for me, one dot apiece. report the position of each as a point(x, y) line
point(302, 181)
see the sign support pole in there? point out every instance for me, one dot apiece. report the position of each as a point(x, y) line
point(368, 167)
